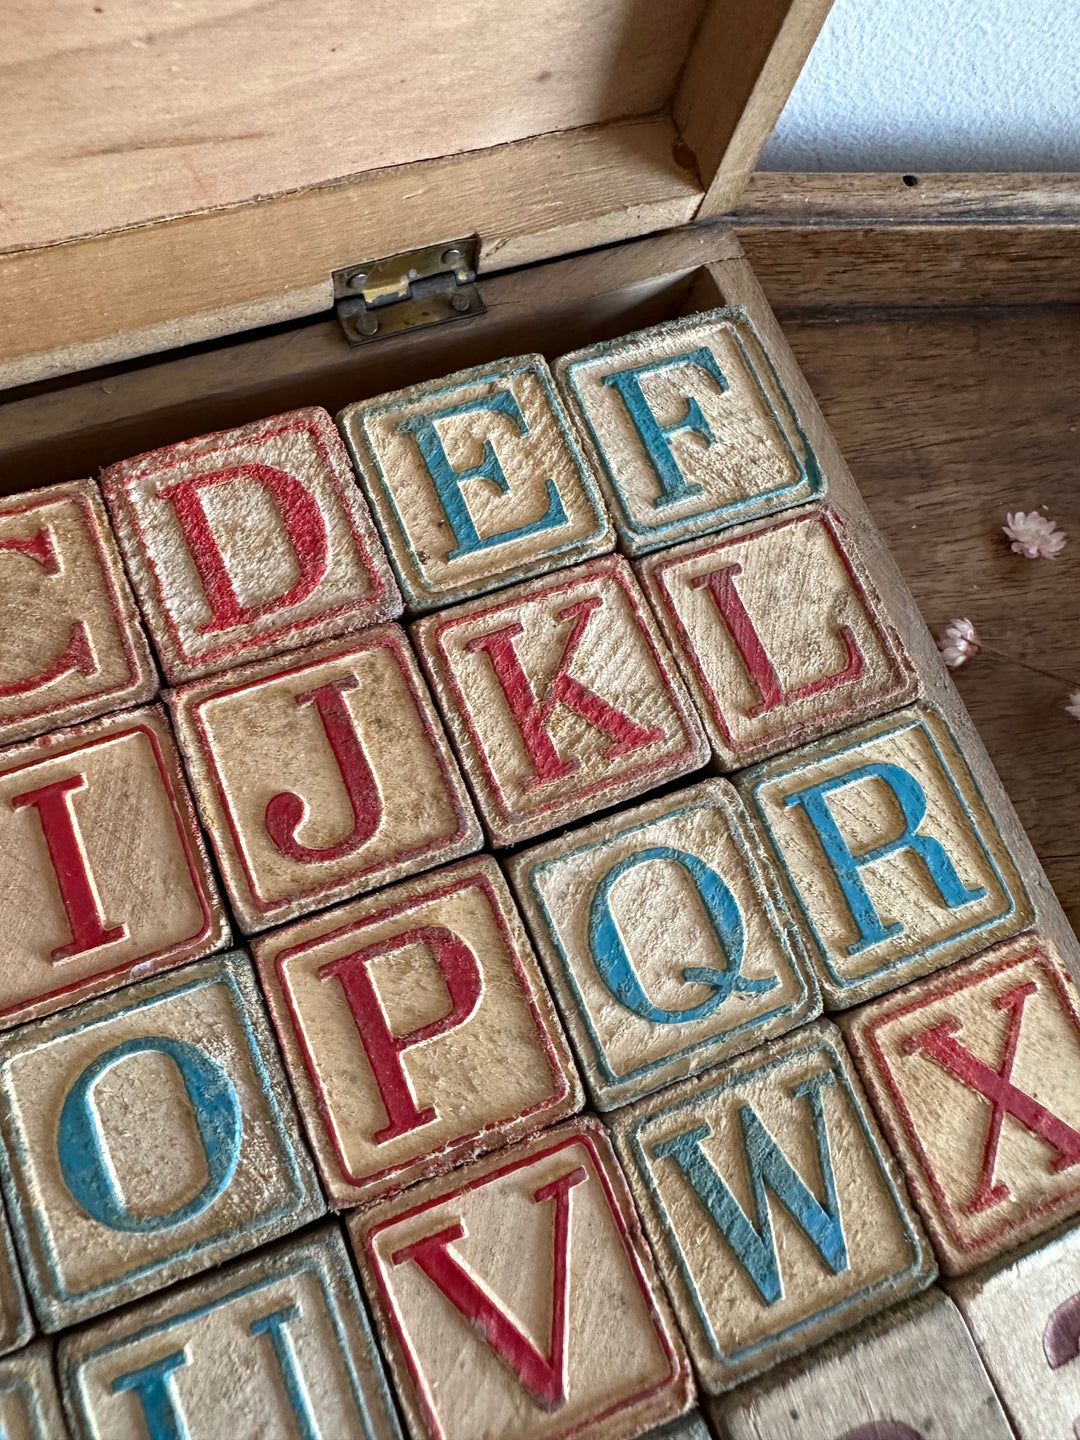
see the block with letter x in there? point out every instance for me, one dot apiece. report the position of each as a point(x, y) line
point(779, 633)
point(889, 852)
point(71, 646)
point(690, 428)
point(477, 480)
point(322, 775)
point(975, 1074)
point(416, 1029)
point(561, 698)
point(775, 1211)
point(516, 1297)
point(249, 543)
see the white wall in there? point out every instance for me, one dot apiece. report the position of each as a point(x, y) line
point(928, 85)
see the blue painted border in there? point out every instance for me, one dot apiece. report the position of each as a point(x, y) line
point(423, 596)
point(308, 1265)
point(46, 1300)
point(603, 1066)
point(811, 481)
point(920, 723)
point(822, 1045)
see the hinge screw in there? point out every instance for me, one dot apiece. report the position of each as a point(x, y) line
point(366, 323)
point(357, 280)
point(451, 257)
point(460, 302)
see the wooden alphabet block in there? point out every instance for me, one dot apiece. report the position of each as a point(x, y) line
point(477, 481)
point(105, 871)
point(892, 857)
point(911, 1375)
point(275, 1345)
point(561, 698)
point(687, 1427)
point(72, 644)
point(779, 634)
point(665, 940)
point(774, 1209)
point(146, 1136)
point(1022, 1311)
point(30, 1405)
point(416, 1029)
point(322, 775)
point(690, 429)
point(16, 1321)
point(975, 1075)
point(248, 543)
point(516, 1297)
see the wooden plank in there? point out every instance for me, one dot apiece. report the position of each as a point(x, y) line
point(776, 197)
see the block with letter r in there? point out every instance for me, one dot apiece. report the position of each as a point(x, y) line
point(889, 851)
point(690, 428)
point(476, 480)
point(776, 1213)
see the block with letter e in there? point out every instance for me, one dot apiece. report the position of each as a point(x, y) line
point(665, 940)
point(248, 543)
point(690, 428)
point(477, 480)
point(890, 854)
point(561, 698)
point(975, 1075)
point(416, 1029)
point(776, 1214)
point(516, 1297)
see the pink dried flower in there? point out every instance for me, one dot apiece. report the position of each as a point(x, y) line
point(959, 642)
point(1073, 705)
point(1034, 535)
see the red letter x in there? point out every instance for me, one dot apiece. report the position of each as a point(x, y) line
point(544, 1376)
point(533, 716)
point(938, 1043)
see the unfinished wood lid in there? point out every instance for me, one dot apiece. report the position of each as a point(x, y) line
point(172, 173)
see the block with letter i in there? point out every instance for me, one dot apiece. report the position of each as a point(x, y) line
point(779, 633)
point(561, 698)
point(322, 775)
point(776, 1214)
point(888, 851)
point(30, 1404)
point(148, 1135)
point(248, 543)
point(274, 1345)
point(665, 939)
point(71, 645)
point(690, 429)
point(416, 1029)
point(516, 1297)
point(105, 871)
point(975, 1075)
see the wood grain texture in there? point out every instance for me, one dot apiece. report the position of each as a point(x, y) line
point(772, 197)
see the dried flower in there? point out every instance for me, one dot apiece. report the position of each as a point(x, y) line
point(1034, 535)
point(959, 642)
point(1073, 705)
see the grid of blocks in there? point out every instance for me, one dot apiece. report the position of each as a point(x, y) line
point(647, 990)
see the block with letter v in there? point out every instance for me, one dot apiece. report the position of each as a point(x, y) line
point(495, 1290)
point(975, 1074)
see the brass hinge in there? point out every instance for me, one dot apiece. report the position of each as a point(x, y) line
point(404, 292)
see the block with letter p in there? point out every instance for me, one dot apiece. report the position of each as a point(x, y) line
point(889, 851)
point(248, 543)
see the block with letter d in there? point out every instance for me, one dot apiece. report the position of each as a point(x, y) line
point(416, 1029)
point(249, 543)
point(775, 1211)
point(690, 428)
point(476, 480)
point(891, 856)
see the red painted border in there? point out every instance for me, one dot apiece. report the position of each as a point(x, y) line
point(580, 1138)
point(125, 484)
point(389, 639)
point(946, 1210)
point(833, 525)
point(77, 986)
point(465, 882)
point(123, 622)
point(606, 568)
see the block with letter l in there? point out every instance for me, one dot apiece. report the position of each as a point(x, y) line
point(891, 856)
point(775, 1211)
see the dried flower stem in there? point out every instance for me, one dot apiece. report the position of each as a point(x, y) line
point(1035, 669)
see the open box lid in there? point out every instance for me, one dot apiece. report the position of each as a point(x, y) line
point(173, 173)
